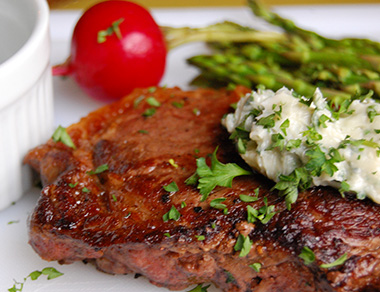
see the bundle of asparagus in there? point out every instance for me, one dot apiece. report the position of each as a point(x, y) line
point(300, 59)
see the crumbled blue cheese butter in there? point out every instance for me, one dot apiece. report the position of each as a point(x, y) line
point(282, 135)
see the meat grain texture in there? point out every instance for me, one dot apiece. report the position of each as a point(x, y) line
point(115, 218)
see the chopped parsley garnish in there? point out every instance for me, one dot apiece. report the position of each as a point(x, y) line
point(200, 237)
point(338, 262)
point(71, 185)
point(149, 112)
point(217, 203)
point(218, 174)
point(138, 100)
point(250, 199)
point(372, 113)
point(152, 89)
point(284, 126)
point(113, 29)
point(143, 131)
point(171, 188)
point(241, 146)
point(114, 198)
point(307, 255)
point(196, 112)
point(256, 267)
point(199, 288)
point(288, 185)
point(167, 234)
point(61, 135)
point(51, 273)
point(267, 122)
point(153, 102)
point(172, 162)
point(85, 190)
point(99, 169)
point(230, 277)
point(173, 214)
point(243, 244)
point(13, 222)
point(183, 204)
point(264, 214)
point(178, 104)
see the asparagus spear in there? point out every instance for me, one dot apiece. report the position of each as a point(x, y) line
point(301, 60)
point(363, 46)
point(220, 32)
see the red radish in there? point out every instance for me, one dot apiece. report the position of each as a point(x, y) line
point(116, 47)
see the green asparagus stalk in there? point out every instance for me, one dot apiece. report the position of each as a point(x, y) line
point(251, 74)
point(317, 41)
point(299, 59)
point(219, 32)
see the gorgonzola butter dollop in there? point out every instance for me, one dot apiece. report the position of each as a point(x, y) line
point(299, 142)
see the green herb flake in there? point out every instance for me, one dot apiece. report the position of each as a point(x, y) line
point(149, 112)
point(85, 190)
point(114, 198)
point(230, 277)
point(256, 267)
point(293, 144)
point(338, 262)
point(264, 214)
point(307, 255)
point(13, 222)
point(178, 104)
point(248, 199)
point(243, 244)
point(172, 162)
point(218, 174)
point(50, 272)
point(322, 120)
point(171, 188)
point(99, 169)
point(241, 146)
point(138, 100)
point(196, 112)
point(71, 185)
point(372, 113)
point(173, 214)
point(113, 29)
point(217, 203)
point(152, 89)
point(344, 187)
point(143, 132)
point(200, 237)
point(284, 126)
point(267, 122)
point(61, 135)
point(167, 234)
point(153, 102)
point(183, 205)
point(200, 288)
point(288, 185)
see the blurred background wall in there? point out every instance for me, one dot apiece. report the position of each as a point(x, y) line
point(81, 4)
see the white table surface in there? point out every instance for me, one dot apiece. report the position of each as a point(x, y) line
point(17, 259)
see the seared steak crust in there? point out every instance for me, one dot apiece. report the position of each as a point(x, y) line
point(115, 218)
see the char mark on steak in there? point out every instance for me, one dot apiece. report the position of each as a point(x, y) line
point(115, 218)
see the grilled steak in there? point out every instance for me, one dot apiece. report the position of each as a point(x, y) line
point(114, 217)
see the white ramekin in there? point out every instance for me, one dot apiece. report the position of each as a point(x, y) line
point(26, 94)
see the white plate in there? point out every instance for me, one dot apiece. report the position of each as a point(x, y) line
point(17, 259)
